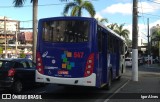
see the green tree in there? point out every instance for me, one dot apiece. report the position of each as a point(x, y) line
point(77, 6)
point(156, 32)
point(103, 20)
point(112, 26)
point(122, 32)
point(20, 3)
point(22, 55)
point(1, 51)
point(156, 37)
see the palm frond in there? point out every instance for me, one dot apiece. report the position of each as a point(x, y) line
point(104, 20)
point(74, 11)
point(89, 7)
point(68, 6)
point(19, 3)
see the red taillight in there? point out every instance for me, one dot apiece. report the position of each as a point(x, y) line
point(11, 72)
point(89, 65)
point(39, 65)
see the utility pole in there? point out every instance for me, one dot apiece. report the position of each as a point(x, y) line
point(5, 37)
point(135, 42)
point(148, 41)
point(35, 11)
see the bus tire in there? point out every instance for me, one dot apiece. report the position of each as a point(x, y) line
point(108, 86)
point(121, 71)
point(119, 77)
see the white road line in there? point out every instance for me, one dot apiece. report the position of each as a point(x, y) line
point(116, 91)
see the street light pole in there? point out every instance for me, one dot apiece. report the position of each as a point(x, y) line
point(135, 42)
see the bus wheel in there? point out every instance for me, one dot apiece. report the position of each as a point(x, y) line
point(119, 77)
point(109, 81)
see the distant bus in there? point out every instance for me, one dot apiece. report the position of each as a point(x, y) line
point(78, 51)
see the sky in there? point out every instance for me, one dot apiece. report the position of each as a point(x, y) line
point(116, 11)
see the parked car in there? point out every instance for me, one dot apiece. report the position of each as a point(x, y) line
point(128, 62)
point(16, 73)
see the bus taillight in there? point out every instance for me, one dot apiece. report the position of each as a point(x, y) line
point(89, 65)
point(39, 65)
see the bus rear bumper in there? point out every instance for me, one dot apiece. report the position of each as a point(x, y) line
point(85, 81)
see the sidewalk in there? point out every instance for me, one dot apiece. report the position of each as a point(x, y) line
point(147, 89)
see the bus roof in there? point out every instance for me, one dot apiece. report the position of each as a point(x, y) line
point(68, 17)
point(114, 33)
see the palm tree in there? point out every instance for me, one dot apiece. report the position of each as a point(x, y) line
point(112, 26)
point(103, 20)
point(77, 6)
point(121, 31)
point(20, 3)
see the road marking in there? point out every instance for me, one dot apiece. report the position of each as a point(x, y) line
point(116, 91)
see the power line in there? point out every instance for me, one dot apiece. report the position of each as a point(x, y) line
point(31, 5)
point(27, 21)
point(158, 16)
point(40, 5)
point(153, 1)
point(149, 8)
point(144, 38)
point(142, 13)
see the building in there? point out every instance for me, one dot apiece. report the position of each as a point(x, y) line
point(9, 38)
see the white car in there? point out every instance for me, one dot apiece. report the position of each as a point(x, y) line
point(128, 61)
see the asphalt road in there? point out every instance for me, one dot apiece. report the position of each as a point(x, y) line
point(88, 94)
point(71, 94)
point(56, 93)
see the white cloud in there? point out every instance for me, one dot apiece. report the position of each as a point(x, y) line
point(98, 15)
point(119, 8)
point(155, 23)
point(142, 30)
point(145, 7)
point(158, 1)
point(126, 8)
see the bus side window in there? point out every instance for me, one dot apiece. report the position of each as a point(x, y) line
point(111, 44)
point(122, 48)
point(108, 42)
point(99, 32)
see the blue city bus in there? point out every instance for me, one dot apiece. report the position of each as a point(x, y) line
point(78, 51)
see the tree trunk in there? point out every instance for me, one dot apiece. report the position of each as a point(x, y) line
point(35, 13)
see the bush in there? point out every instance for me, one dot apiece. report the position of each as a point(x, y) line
point(22, 55)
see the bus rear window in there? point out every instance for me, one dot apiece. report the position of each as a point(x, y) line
point(66, 31)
